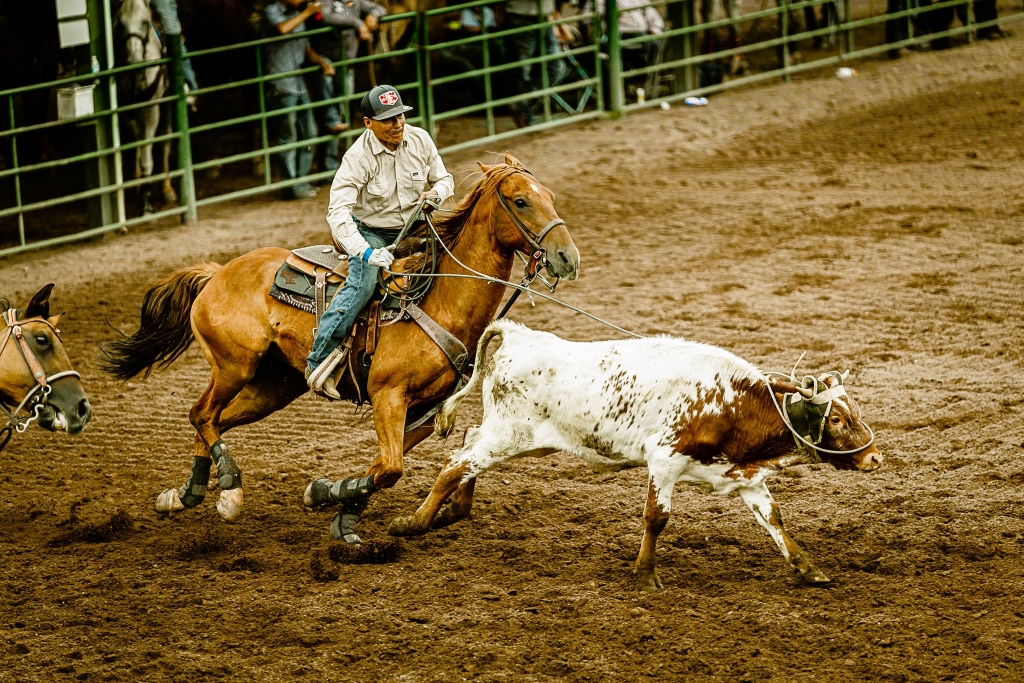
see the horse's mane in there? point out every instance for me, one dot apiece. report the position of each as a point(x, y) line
point(451, 226)
point(4, 305)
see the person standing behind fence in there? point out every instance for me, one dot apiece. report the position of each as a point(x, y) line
point(282, 18)
point(636, 18)
point(526, 45)
point(358, 18)
point(166, 12)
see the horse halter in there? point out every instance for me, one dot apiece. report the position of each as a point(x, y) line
point(13, 329)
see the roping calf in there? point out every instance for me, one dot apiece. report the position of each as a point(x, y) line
point(691, 412)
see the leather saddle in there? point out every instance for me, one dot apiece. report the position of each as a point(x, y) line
point(311, 277)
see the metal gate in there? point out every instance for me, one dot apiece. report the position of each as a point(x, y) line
point(470, 88)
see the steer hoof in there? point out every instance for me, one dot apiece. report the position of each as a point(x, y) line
point(649, 581)
point(168, 502)
point(814, 577)
point(230, 504)
point(405, 526)
point(446, 517)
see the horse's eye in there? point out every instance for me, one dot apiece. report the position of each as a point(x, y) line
point(41, 340)
point(520, 203)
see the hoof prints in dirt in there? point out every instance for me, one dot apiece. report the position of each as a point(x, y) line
point(115, 527)
point(323, 563)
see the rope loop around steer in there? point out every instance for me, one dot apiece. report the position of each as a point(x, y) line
point(820, 397)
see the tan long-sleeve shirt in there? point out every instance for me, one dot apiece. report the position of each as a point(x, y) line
point(381, 188)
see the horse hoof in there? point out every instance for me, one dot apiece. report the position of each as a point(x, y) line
point(170, 196)
point(338, 534)
point(230, 504)
point(318, 493)
point(168, 502)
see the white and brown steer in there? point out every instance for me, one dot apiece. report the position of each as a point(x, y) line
point(690, 412)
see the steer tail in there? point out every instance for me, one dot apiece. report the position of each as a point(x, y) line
point(166, 329)
point(445, 420)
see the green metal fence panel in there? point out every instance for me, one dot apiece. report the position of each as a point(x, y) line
point(461, 107)
point(786, 38)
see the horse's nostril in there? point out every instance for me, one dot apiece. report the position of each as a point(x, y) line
point(83, 407)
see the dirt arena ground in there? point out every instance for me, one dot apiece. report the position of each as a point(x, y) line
point(874, 223)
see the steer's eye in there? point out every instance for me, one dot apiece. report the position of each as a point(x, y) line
point(836, 420)
point(520, 203)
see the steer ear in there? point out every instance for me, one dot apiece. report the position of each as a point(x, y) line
point(39, 305)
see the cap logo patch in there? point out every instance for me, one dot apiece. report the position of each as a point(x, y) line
point(388, 98)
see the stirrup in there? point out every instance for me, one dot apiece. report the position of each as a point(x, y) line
point(317, 378)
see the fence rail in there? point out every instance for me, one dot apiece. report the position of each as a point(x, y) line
point(464, 84)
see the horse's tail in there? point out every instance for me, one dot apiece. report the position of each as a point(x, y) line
point(445, 420)
point(166, 328)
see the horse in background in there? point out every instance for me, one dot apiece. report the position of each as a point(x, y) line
point(139, 42)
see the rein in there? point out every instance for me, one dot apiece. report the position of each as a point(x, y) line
point(532, 271)
point(42, 381)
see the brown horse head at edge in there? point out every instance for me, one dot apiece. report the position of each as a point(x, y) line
point(66, 406)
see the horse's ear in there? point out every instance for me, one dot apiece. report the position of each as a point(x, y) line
point(483, 168)
point(510, 160)
point(39, 305)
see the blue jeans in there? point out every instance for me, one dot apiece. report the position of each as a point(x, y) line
point(342, 312)
point(296, 125)
point(344, 77)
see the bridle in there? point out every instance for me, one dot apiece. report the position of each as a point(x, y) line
point(539, 257)
point(13, 330)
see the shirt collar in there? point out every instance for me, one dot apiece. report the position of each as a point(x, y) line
point(377, 147)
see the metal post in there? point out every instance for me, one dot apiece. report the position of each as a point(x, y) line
point(597, 59)
point(911, 4)
point(971, 33)
point(17, 176)
point(545, 79)
point(267, 177)
point(95, 132)
point(188, 187)
point(423, 72)
point(616, 94)
point(488, 90)
point(784, 31)
point(115, 124)
point(848, 17)
point(690, 78)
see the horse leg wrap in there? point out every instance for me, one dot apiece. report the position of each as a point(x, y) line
point(194, 490)
point(354, 496)
point(228, 475)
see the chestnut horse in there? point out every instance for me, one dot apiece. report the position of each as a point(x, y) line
point(36, 377)
point(256, 346)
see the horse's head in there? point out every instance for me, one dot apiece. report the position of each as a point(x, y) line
point(530, 222)
point(133, 24)
point(33, 346)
